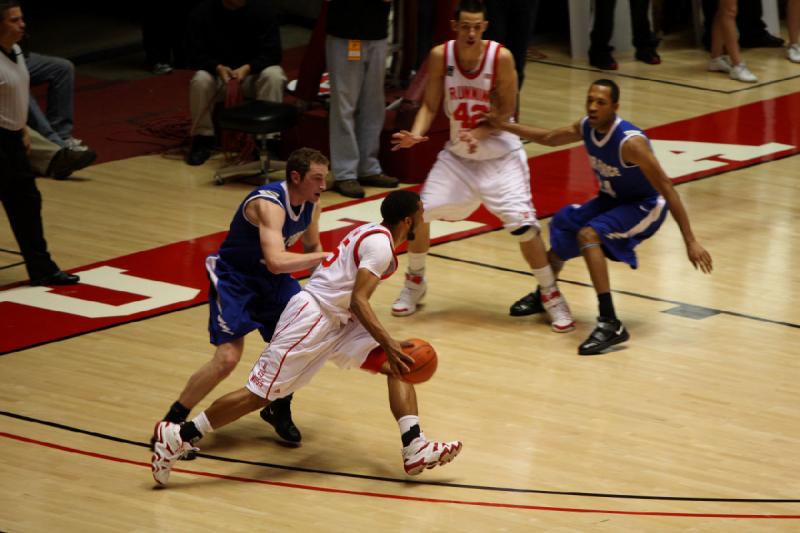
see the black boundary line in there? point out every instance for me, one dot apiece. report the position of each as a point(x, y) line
point(463, 237)
point(402, 481)
point(627, 293)
point(10, 265)
point(749, 87)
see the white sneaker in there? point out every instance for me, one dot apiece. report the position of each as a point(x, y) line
point(560, 316)
point(75, 144)
point(720, 64)
point(422, 454)
point(740, 72)
point(412, 293)
point(793, 53)
point(167, 449)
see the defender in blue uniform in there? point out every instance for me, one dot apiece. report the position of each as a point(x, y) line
point(634, 196)
point(250, 277)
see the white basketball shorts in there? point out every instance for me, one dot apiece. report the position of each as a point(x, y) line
point(455, 187)
point(304, 339)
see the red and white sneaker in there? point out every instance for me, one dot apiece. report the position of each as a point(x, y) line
point(560, 316)
point(410, 295)
point(168, 447)
point(422, 454)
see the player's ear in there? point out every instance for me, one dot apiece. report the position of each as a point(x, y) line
point(295, 177)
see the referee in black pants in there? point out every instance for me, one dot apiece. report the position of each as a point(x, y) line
point(21, 199)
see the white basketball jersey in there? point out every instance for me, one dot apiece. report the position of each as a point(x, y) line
point(332, 282)
point(467, 95)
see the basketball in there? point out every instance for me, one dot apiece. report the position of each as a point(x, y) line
point(425, 362)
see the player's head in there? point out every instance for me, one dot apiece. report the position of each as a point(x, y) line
point(602, 102)
point(306, 171)
point(402, 208)
point(469, 22)
point(12, 25)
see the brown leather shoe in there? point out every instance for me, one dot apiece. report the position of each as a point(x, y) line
point(66, 161)
point(379, 180)
point(349, 188)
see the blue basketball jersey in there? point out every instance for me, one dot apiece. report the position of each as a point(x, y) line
point(242, 247)
point(617, 178)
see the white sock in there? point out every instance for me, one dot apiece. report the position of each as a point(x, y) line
point(407, 422)
point(545, 277)
point(416, 263)
point(202, 424)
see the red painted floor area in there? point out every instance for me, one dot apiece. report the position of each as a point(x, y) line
point(172, 277)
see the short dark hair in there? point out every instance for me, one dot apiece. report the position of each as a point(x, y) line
point(470, 6)
point(301, 160)
point(611, 85)
point(398, 205)
point(5, 5)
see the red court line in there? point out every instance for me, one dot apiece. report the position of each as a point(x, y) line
point(391, 496)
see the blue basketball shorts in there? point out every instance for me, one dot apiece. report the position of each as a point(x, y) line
point(621, 226)
point(241, 302)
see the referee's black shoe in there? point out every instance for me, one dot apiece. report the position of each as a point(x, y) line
point(279, 415)
point(530, 304)
point(607, 333)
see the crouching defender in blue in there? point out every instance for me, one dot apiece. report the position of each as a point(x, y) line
point(635, 194)
point(250, 280)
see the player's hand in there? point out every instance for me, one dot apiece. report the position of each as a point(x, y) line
point(699, 257)
point(406, 139)
point(492, 119)
point(398, 360)
point(468, 138)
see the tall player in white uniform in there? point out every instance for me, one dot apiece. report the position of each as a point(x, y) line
point(479, 163)
point(330, 319)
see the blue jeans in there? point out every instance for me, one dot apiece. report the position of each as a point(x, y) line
point(59, 74)
point(357, 107)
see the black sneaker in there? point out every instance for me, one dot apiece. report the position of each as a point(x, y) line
point(279, 415)
point(202, 145)
point(648, 55)
point(607, 333)
point(190, 455)
point(603, 59)
point(530, 304)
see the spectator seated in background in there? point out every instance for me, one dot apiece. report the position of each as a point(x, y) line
point(53, 161)
point(56, 123)
point(230, 40)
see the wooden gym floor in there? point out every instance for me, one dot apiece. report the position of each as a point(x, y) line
point(690, 426)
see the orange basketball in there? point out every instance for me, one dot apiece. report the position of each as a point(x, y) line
point(425, 362)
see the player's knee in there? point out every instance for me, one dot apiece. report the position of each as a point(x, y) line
point(588, 235)
point(226, 359)
point(525, 233)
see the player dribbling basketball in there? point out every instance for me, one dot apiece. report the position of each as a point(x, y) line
point(330, 319)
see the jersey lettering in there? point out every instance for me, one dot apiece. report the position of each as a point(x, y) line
point(331, 259)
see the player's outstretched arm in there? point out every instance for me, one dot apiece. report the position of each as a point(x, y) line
point(431, 101)
point(270, 218)
point(556, 137)
point(366, 282)
point(637, 151)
